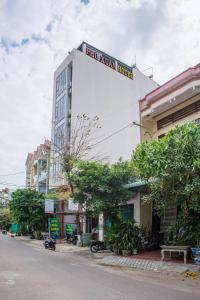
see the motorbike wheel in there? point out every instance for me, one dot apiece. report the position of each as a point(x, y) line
point(111, 249)
point(53, 248)
point(74, 241)
point(94, 248)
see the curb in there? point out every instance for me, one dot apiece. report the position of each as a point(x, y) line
point(149, 265)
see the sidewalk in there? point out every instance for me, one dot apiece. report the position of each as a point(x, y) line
point(60, 247)
point(149, 265)
point(107, 259)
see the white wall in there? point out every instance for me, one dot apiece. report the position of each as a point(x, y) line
point(100, 90)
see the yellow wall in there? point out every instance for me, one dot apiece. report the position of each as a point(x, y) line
point(151, 133)
point(146, 214)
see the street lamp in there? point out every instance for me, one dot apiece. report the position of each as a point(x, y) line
point(142, 126)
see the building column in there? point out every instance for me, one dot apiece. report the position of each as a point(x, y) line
point(101, 223)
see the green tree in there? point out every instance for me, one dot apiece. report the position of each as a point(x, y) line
point(99, 187)
point(171, 166)
point(4, 217)
point(27, 208)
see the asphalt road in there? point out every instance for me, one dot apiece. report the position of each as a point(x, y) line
point(32, 273)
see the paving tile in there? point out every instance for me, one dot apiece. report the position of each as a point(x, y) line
point(155, 266)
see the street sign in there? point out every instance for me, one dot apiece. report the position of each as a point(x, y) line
point(54, 227)
point(49, 206)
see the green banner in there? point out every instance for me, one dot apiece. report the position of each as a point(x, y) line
point(69, 228)
point(54, 226)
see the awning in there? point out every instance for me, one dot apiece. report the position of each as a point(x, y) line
point(136, 184)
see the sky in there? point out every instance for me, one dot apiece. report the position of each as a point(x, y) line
point(35, 37)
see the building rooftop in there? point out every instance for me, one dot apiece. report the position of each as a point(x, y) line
point(107, 55)
point(173, 84)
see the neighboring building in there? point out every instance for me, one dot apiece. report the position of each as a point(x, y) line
point(29, 163)
point(4, 196)
point(92, 82)
point(37, 168)
point(173, 103)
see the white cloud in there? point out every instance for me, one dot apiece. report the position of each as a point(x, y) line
point(35, 37)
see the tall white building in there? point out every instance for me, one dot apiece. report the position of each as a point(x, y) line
point(92, 82)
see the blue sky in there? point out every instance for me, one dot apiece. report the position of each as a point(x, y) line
point(35, 36)
point(85, 1)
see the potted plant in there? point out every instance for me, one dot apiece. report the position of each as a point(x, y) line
point(196, 249)
point(117, 248)
point(135, 250)
point(126, 246)
point(117, 245)
point(129, 233)
point(113, 237)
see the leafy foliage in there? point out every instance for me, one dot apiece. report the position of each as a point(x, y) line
point(172, 168)
point(124, 235)
point(100, 187)
point(4, 217)
point(27, 207)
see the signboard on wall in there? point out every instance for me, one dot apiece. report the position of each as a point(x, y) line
point(54, 227)
point(69, 228)
point(108, 61)
point(71, 205)
point(124, 70)
point(101, 57)
point(49, 206)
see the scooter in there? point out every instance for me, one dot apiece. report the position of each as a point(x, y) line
point(50, 244)
point(97, 246)
point(72, 239)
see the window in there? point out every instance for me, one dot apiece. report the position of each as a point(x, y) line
point(57, 168)
point(61, 83)
point(178, 115)
point(60, 110)
point(59, 137)
point(127, 211)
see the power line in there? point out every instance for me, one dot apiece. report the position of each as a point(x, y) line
point(116, 132)
point(10, 184)
point(107, 137)
point(22, 186)
point(102, 140)
point(12, 174)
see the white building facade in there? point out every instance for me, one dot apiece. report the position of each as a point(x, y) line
point(90, 81)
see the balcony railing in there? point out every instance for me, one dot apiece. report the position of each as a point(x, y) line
point(42, 176)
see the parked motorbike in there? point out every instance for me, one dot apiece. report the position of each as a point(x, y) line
point(32, 235)
point(97, 246)
point(148, 243)
point(72, 239)
point(50, 244)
